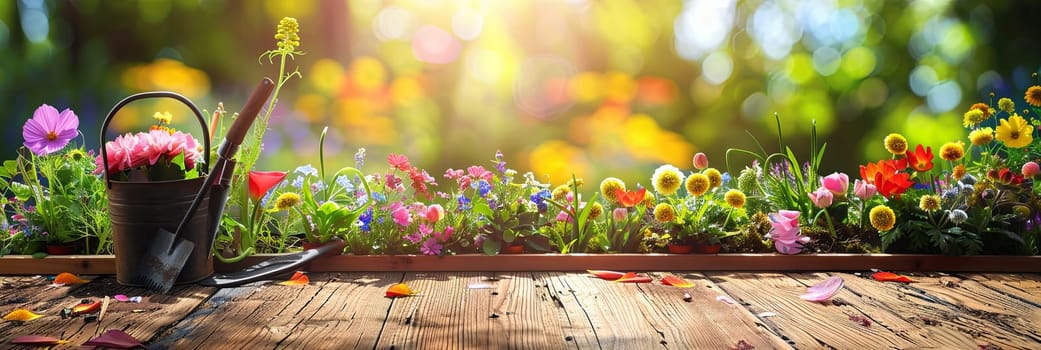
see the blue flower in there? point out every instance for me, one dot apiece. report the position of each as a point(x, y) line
point(483, 187)
point(379, 197)
point(540, 199)
point(464, 203)
point(366, 220)
point(345, 183)
point(306, 170)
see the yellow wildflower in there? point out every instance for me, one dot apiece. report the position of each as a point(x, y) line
point(896, 144)
point(958, 172)
point(982, 136)
point(1007, 105)
point(715, 179)
point(288, 34)
point(667, 179)
point(882, 218)
point(608, 187)
point(664, 212)
point(735, 198)
point(929, 203)
point(286, 200)
point(697, 184)
point(952, 151)
point(973, 117)
point(1033, 96)
point(596, 211)
point(1015, 132)
point(162, 118)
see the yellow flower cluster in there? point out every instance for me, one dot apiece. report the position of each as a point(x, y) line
point(288, 34)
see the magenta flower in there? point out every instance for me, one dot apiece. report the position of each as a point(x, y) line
point(400, 214)
point(864, 190)
point(434, 213)
point(785, 232)
point(399, 161)
point(822, 197)
point(431, 247)
point(619, 214)
point(837, 183)
point(49, 131)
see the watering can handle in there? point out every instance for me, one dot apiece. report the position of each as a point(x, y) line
point(152, 94)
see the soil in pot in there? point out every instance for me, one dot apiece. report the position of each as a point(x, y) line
point(60, 249)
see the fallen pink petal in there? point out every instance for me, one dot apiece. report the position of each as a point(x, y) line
point(115, 339)
point(824, 290)
point(726, 299)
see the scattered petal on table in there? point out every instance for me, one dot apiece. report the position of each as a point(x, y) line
point(726, 299)
point(607, 274)
point(86, 308)
point(742, 345)
point(21, 315)
point(479, 286)
point(298, 279)
point(65, 278)
point(631, 277)
point(824, 290)
point(890, 277)
point(37, 340)
point(766, 314)
point(677, 282)
point(399, 290)
point(117, 339)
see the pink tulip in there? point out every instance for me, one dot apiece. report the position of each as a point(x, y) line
point(700, 161)
point(1031, 169)
point(837, 183)
point(620, 214)
point(822, 197)
point(864, 190)
point(785, 232)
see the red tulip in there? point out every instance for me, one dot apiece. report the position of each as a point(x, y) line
point(920, 160)
point(260, 182)
point(629, 198)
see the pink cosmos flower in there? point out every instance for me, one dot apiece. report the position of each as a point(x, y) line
point(864, 190)
point(431, 247)
point(822, 197)
point(479, 172)
point(452, 174)
point(837, 183)
point(399, 161)
point(400, 214)
point(49, 131)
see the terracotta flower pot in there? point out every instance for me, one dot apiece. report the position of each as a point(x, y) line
point(680, 248)
point(709, 248)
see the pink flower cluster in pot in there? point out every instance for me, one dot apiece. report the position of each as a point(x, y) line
point(785, 232)
point(132, 151)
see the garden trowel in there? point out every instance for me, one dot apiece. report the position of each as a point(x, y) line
point(169, 250)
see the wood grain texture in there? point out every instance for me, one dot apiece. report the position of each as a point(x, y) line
point(468, 310)
point(140, 320)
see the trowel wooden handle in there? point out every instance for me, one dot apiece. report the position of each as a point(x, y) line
point(249, 112)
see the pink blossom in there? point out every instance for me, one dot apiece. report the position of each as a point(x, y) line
point(700, 161)
point(837, 183)
point(864, 190)
point(785, 232)
point(822, 197)
point(620, 214)
point(445, 236)
point(400, 214)
point(480, 172)
point(563, 216)
point(431, 247)
point(1031, 169)
point(399, 161)
point(453, 174)
point(434, 213)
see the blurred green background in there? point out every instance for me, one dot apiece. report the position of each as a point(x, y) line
point(595, 88)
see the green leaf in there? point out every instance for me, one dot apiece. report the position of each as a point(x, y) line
point(483, 209)
point(491, 246)
point(21, 191)
point(509, 236)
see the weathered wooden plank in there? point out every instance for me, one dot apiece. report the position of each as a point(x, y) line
point(887, 307)
point(140, 320)
point(575, 323)
point(456, 311)
point(705, 321)
point(104, 264)
point(332, 312)
point(1025, 287)
point(807, 325)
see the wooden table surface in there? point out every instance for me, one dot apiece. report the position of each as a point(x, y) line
point(549, 310)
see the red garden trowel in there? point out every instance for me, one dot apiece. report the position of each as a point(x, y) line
point(169, 251)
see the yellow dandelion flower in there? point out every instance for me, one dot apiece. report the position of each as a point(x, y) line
point(609, 186)
point(648, 199)
point(896, 144)
point(664, 212)
point(560, 193)
point(1007, 105)
point(667, 179)
point(982, 136)
point(973, 117)
point(596, 211)
point(958, 172)
point(882, 218)
point(735, 198)
point(715, 179)
point(1015, 132)
point(286, 200)
point(697, 184)
point(929, 203)
point(952, 151)
point(1033, 96)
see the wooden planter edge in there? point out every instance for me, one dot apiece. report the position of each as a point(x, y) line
point(105, 264)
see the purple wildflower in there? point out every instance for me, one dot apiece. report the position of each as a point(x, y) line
point(49, 131)
point(431, 247)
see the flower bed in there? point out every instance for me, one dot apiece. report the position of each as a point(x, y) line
point(961, 200)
